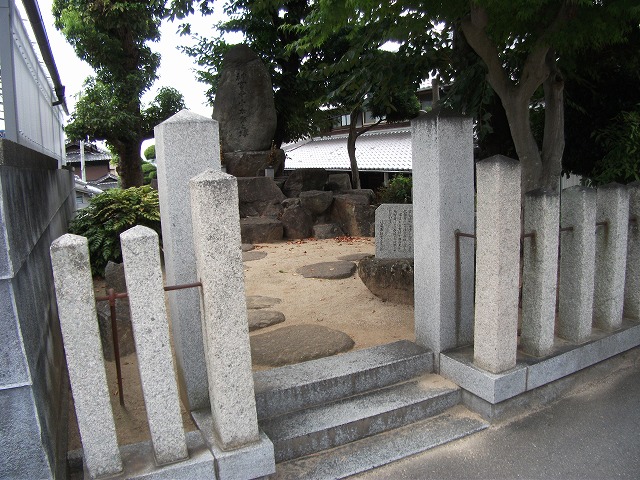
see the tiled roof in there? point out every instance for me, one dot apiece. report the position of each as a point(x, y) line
point(92, 153)
point(379, 150)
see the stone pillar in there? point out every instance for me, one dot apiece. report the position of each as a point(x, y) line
point(632, 282)
point(216, 231)
point(497, 263)
point(577, 263)
point(186, 144)
point(141, 256)
point(443, 198)
point(78, 321)
point(540, 273)
point(611, 256)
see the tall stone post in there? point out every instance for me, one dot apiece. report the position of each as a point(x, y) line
point(443, 197)
point(540, 273)
point(577, 263)
point(186, 144)
point(216, 228)
point(611, 256)
point(632, 282)
point(141, 256)
point(497, 263)
point(83, 349)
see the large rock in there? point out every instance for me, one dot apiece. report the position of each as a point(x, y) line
point(263, 318)
point(259, 196)
point(260, 230)
point(115, 279)
point(316, 201)
point(296, 222)
point(297, 343)
point(328, 270)
point(390, 279)
point(339, 182)
point(354, 214)
point(305, 179)
point(252, 164)
point(322, 231)
point(244, 102)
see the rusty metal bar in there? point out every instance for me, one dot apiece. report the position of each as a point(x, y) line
point(566, 229)
point(116, 344)
point(604, 223)
point(170, 288)
point(528, 235)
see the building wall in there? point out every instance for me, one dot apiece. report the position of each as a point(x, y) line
point(37, 201)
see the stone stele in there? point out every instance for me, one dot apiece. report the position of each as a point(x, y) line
point(244, 104)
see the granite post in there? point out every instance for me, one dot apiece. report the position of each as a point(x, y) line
point(497, 263)
point(186, 144)
point(443, 198)
point(78, 321)
point(394, 231)
point(540, 272)
point(632, 282)
point(611, 256)
point(577, 263)
point(141, 256)
point(216, 231)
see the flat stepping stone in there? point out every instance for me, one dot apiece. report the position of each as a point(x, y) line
point(355, 257)
point(251, 256)
point(255, 302)
point(297, 343)
point(247, 246)
point(264, 318)
point(328, 270)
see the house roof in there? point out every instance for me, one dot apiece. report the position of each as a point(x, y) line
point(387, 150)
point(82, 186)
point(92, 153)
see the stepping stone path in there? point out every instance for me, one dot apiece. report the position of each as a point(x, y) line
point(255, 302)
point(355, 257)
point(328, 270)
point(247, 247)
point(264, 318)
point(250, 256)
point(297, 343)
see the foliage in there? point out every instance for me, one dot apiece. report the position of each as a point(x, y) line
point(398, 190)
point(149, 171)
point(621, 142)
point(113, 38)
point(111, 213)
point(150, 152)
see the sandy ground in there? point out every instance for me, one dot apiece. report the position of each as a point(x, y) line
point(345, 305)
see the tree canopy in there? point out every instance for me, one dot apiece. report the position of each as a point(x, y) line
point(113, 38)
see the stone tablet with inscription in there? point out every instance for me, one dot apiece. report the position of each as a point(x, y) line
point(244, 104)
point(394, 231)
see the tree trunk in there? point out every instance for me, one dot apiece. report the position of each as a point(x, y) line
point(351, 150)
point(553, 142)
point(130, 164)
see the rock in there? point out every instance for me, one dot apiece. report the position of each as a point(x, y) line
point(247, 247)
point(259, 196)
point(252, 164)
point(365, 192)
point(354, 214)
point(114, 277)
point(339, 182)
point(291, 202)
point(251, 256)
point(255, 302)
point(304, 179)
point(316, 201)
point(297, 343)
point(264, 318)
point(125, 332)
point(260, 230)
point(326, 230)
point(328, 270)
point(355, 257)
point(296, 222)
point(244, 102)
point(390, 279)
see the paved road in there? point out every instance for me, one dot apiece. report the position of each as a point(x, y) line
point(593, 434)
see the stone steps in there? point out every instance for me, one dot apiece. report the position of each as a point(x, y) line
point(326, 426)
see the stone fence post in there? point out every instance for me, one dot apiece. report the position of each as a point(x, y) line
point(632, 282)
point(186, 144)
point(497, 263)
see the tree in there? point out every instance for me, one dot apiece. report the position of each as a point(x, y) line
point(112, 37)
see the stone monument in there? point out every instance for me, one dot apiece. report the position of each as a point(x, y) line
point(245, 110)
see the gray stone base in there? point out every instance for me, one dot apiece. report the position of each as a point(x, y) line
point(253, 461)
point(531, 372)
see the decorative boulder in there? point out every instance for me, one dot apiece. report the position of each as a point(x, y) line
point(244, 104)
point(260, 230)
point(259, 196)
point(354, 215)
point(114, 278)
point(296, 222)
point(339, 182)
point(390, 279)
point(316, 201)
point(303, 180)
point(252, 164)
point(326, 230)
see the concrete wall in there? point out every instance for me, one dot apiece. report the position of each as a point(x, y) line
point(36, 203)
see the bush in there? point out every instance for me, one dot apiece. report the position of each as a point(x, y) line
point(398, 191)
point(111, 213)
point(149, 152)
point(149, 172)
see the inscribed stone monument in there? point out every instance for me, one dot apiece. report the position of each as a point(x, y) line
point(394, 231)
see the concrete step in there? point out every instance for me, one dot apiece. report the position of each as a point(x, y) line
point(384, 448)
point(293, 387)
point(326, 426)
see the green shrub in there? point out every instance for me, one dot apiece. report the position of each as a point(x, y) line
point(398, 191)
point(149, 172)
point(111, 213)
point(149, 152)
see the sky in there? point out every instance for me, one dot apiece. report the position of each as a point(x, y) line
point(176, 68)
